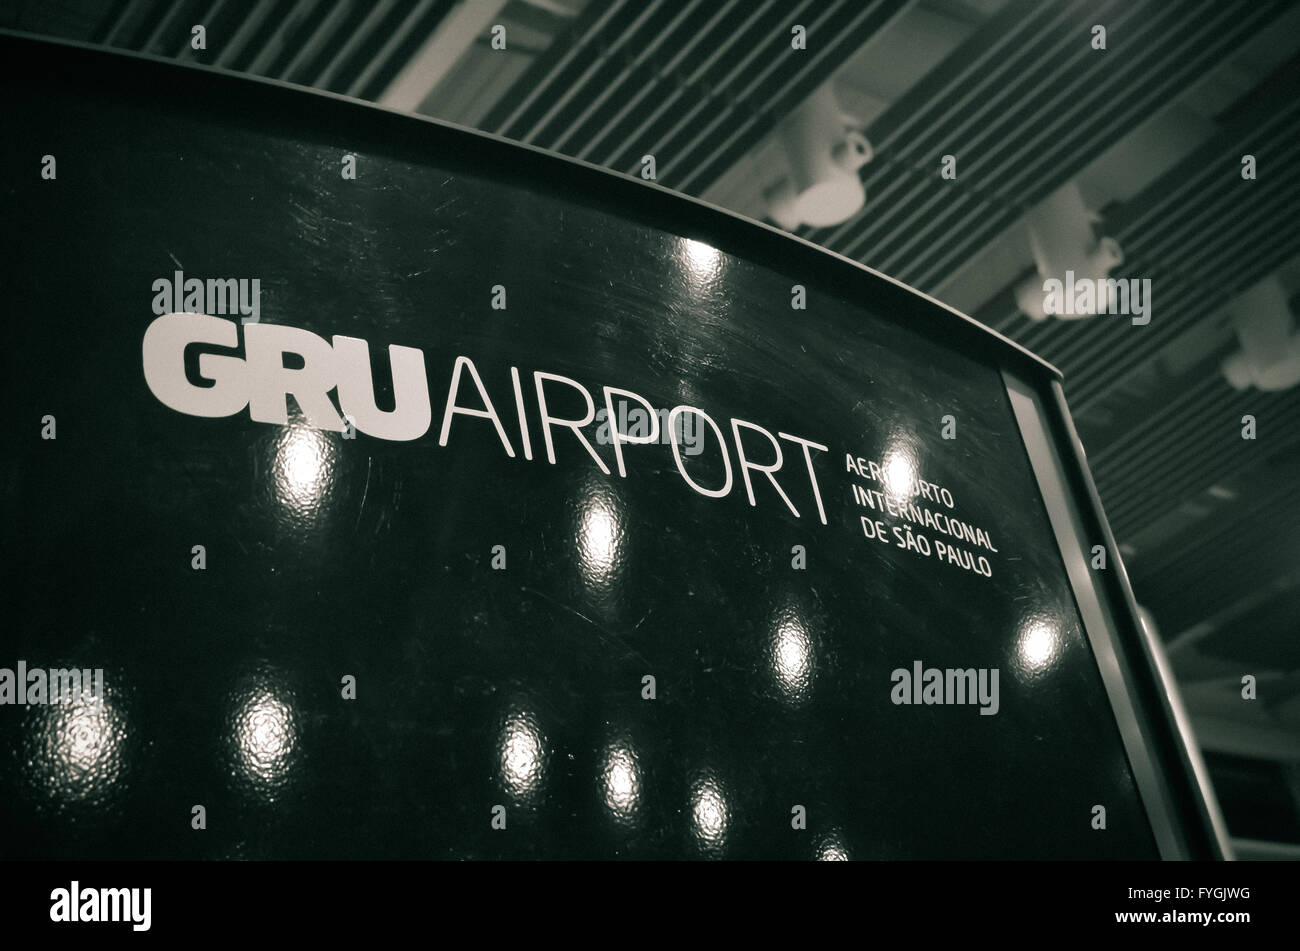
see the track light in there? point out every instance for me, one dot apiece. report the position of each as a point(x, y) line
point(1269, 357)
point(1065, 250)
point(824, 148)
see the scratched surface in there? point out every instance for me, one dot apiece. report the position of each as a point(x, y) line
point(478, 687)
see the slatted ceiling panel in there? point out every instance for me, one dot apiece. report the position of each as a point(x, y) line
point(1231, 558)
point(531, 22)
point(388, 45)
point(791, 80)
point(693, 143)
point(473, 85)
point(125, 24)
point(559, 68)
point(706, 89)
point(932, 112)
point(320, 35)
point(695, 84)
point(1151, 422)
point(627, 57)
point(1125, 109)
point(1192, 295)
point(344, 63)
point(1001, 311)
point(244, 35)
point(1173, 452)
point(1020, 134)
point(278, 44)
point(75, 19)
point(219, 17)
point(1222, 568)
point(147, 26)
point(1087, 109)
point(411, 27)
point(1221, 547)
point(1226, 236)
point(169, 20)
point(1236, 568)
point(1205, 447)
point(1234, 233)
point(345, 46)
point(639, 106)
point(1197, 221)
point(1252, 637)
point(931, 106)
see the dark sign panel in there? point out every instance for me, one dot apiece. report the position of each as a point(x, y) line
point(404, 493)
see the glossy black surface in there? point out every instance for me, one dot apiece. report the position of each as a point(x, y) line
point(476, 687)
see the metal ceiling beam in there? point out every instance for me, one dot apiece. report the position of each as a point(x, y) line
point(324, 32)
point(380, 59)
point(666, 101)
point(129, 13)
point(642, 56)
point(275, 43)
point(378, 11)
point(594, 64)
point(440, 53)
point(248, 29)
point(164, 22)
point(186, 51)
point(575, 44)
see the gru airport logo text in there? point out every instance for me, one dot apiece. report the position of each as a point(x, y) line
point(260, 382)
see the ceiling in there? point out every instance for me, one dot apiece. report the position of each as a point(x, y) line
point(1152, 130)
